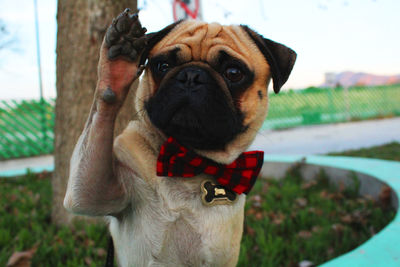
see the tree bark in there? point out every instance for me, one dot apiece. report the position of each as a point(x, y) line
point(81, 27)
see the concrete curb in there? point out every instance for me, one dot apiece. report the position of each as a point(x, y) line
point(18, 167)
point(21, 172)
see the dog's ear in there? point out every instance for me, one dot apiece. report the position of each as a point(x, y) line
point(280, 58)
point(153, 38)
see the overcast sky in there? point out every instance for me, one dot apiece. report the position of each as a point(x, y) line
point(328, 36)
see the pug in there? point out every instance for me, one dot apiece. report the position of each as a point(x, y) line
point(203, 87)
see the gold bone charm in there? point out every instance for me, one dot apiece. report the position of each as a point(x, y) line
point(214, 194)
point(219, 191)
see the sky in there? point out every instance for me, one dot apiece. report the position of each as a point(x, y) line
point(328, 36)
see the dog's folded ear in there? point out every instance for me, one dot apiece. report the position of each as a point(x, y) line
point(280, 57)
point(153, 38)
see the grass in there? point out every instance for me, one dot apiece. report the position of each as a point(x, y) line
point(25, 212)
point(286, 221)
point(292, 220)
point(389, 151)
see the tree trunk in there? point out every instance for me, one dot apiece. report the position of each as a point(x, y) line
point(81, 27)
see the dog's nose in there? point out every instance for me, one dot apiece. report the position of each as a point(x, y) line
point(192, 78)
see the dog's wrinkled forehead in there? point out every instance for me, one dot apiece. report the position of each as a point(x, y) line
point(199, 41)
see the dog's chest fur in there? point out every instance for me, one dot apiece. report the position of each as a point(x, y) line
point(166, 223)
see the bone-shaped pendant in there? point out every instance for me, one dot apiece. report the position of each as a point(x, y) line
point(214, 194)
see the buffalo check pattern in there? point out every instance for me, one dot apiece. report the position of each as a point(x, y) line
point(175, 160)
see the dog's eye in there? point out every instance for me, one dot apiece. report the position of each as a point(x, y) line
point(233, 74)
point(163, 67)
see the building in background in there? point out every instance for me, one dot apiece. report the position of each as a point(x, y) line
point(349, 78)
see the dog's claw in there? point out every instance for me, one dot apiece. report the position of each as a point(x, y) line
point(123, 22)
point(125, 36)
point(134, 16)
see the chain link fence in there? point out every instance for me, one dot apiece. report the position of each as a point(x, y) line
point(26, 127)
point(331, 105)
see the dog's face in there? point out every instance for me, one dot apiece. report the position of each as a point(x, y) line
point(206, 84)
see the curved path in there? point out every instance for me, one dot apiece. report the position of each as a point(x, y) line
point(327, 138)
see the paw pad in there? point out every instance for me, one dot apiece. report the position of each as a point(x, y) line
point(125, 36)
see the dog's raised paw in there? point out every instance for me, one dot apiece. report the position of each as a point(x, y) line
point(125, 36)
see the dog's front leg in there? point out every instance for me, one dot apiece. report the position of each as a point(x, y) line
point(93, 188)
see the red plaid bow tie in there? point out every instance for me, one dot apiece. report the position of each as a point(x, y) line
point(175, 160)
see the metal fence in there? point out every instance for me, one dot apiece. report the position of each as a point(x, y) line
point(330, 105)
point(26, 127)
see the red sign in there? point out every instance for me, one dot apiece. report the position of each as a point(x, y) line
point(183, 9)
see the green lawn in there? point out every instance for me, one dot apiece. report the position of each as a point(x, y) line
point(25, 208)
point(287, 221)
point(291, 220)
point(389, 151)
